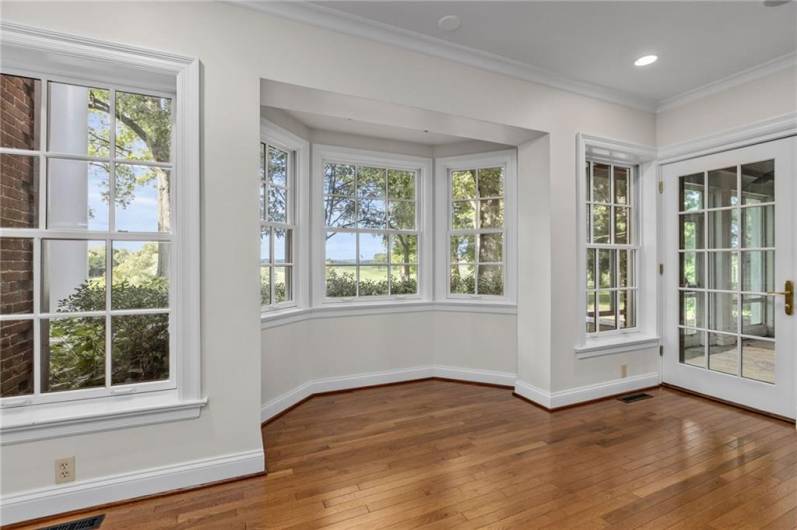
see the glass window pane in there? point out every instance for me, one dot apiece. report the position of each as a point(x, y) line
point(373, 249)
point(339, 180)
point(491, 248)
point(19, 97)
point(339, 212)
point(373, 280)
point(142, 199)
point(758, 271)
point(491, 213)
point(622, 177)
point(626, 268)
point(693, 309)
point(622, 232)
point(759, 226)
point(277, 204)
point(627, 309)
point(758, 360)
point(600, 224)
point(588, 183)
point(463, 249)
point(691, 231)
point(77, 195)
point(723, 312)
point(341, 281)
point(463, 215)
point(601, 188)
point(607, 301)
point(588, 236)
point(341, 248)
point(277, 167)
point(692, 347)
point(403, 248)
point(143, 127)
point(78, 120)
point(400, 184)
point(265, 245)
point(371, 213)
point(140, 275)
point(404, 279)
point(283, 243)
point(723, 271)
point(758, 182)
point(371, 183)
point(722, 189)
point(723, 228)
point(691, 192)
point(283, 284)
point(606, 268)
point(73, 275)
point(16, 357)
point(758, 315)
point(723, 354)
point(72, 353)
point(262, 172)
point(401, 215)
point(463, 184)
point(16, 275)
point(692, 269)
point(462, 279)
point(591, 312)
point(265, 284)
point(491, 280)
point(139, 348)
point(491, 182)
point(19, 191)
point(591, 268)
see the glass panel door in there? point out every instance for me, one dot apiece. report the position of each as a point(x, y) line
point(731, 245)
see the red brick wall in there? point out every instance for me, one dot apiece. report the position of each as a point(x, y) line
point(19, 97)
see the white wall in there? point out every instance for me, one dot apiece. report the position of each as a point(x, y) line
point(237, 47)
point(767, 97)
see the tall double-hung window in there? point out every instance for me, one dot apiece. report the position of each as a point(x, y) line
point(277, 226)
point(87, 247)
point(370, 229)
point(611, 247)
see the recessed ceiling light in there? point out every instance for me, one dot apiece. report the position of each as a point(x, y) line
point(646, 60)
point(449, 23)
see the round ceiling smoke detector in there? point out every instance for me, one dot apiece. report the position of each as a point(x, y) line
point(449, 23)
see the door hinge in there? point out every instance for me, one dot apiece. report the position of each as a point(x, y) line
point(661, 350)
point(661, 186)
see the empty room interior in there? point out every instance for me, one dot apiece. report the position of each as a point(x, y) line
point(398, 264)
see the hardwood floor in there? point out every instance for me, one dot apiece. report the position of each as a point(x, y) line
point(437, 454)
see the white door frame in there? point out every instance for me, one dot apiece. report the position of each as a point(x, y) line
point(668, 301)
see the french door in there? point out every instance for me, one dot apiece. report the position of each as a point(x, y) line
point(729, 238)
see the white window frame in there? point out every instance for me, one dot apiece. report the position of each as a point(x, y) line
point(298, 150)
point(644, 237)
point(506, 159)
point(423, 195)
point(59, 57)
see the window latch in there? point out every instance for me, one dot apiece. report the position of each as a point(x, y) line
point(123, 391)
point(16, 403)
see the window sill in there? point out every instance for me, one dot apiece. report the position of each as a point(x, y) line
point(597, 347)
point(40, 422)
point(274, 319)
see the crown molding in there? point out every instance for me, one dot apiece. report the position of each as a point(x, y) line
point(357, 26)
point(739, 78)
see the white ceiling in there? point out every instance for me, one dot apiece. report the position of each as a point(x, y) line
point(596, 42)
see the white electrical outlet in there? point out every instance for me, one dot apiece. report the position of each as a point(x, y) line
point(65, 470)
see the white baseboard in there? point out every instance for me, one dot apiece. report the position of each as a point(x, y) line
point(332, 384)
point(57, 499)
point(572, 396)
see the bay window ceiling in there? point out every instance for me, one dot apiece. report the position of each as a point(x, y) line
point(94, 280)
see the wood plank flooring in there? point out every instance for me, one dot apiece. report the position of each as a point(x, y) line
point(438, 454)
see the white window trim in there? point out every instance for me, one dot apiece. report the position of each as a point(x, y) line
point(645, 334)
point(299, 198)
point(25, 49)
point(508, 160)
point(423, 190)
